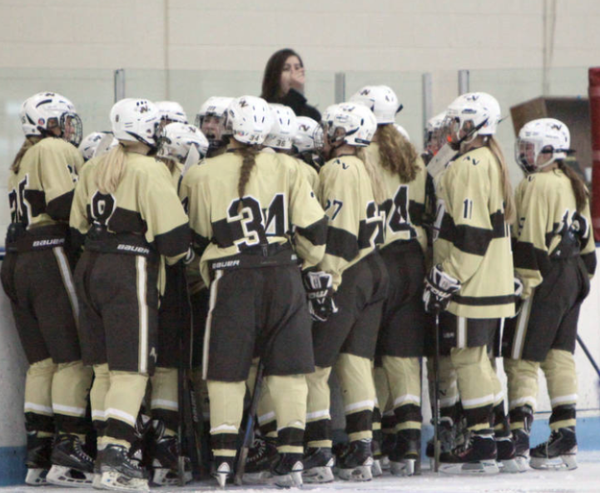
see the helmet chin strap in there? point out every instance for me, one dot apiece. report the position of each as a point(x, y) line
point(472, 134)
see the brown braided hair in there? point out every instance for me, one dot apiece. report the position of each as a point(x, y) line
point(30, 141)
point(396, 153)
point(248, 155)
point(509, 201)
point(579, 189)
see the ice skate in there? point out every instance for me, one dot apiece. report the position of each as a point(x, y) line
point(223, 471)
point(38, 459)
point(261, 457)
point(559, 452)
point(120, 472)
point(287, 471)
point(356, 461)
point(165, 460)
point(71, 466)
point(476, 457)
point(521, 440)
point(506, 458)
point(447, 438)
point(318, 465)
point(406, 456)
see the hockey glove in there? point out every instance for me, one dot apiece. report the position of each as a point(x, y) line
point(439, 288)
point(319, 291)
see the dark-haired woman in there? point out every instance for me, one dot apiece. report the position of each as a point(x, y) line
point(283, 83)
point(554, 256)
point(402, 331)
point(242, 205)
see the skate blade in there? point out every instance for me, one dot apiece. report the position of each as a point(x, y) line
point(36, 476)
point(385, 463)
point(376, 470)
point(63, 476)
point(291, 480)
point(97, 482)
point(471, 468)
point(406, 467)
point(562, 462)
point(112, 480)
point(168, 477)
point(318, 475)
point(359, 473)
point(510, 466)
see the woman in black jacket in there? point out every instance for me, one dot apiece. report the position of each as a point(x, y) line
point(283, 83)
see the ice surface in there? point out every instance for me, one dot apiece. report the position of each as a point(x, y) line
point(585, 479)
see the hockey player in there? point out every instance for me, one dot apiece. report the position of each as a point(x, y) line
point(350, 189)
point(130, 220)
point(433, 137)
point(402, 331)
point(90, 143)
point(176, 141)
point(211, 122)
point(242, 206)
point(471, 243)
point(308, 142)
point(554, 255)
point(36, 276)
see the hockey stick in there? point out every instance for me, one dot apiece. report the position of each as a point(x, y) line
point(436, 395)
point(249, 433)
point(588, 354)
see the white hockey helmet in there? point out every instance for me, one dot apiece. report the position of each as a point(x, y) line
point(213, 106)
point(350, 123)
point(542, 136)
point(283, 129)
point(433, 131)
point(480, 109)
point(176, 140)
point(90, 143)
point(45, 111)
point(309, 135)
point(381, 100)
point(171, 111)
point(402, 131)
point(249, 119)
point(135, 120)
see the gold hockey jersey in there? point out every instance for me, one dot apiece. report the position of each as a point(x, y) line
point(41, 192)
point(309, 173)
point(142, 207)
point(546, 211)
point(404, 207)
point(277, 200)
point(355, 222)
point(471, 238)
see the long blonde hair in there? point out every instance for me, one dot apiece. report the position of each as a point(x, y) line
point(396, 153)
point(30, 141)
point(110, 170)
point(374, 174)
point(509, 201)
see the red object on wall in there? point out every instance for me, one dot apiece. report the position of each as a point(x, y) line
point(594, 93)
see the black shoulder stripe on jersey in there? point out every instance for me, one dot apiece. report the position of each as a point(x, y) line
point(60, 207)
point(342, 244)
point(200, 243)
point(526, 256)
point(37, 200)
point(225, 232)
point(174, 242)
point(316, 233)
point(483, 300)
point(589, 259)
point(416, 212)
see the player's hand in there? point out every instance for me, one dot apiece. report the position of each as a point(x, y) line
point(319, 291)
point(439, 288)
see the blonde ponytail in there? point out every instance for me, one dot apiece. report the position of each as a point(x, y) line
point(110, 170)
point(374, 174)
point(509, 201)
point(28, 144)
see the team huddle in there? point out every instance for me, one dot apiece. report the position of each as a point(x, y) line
point(254, 252)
